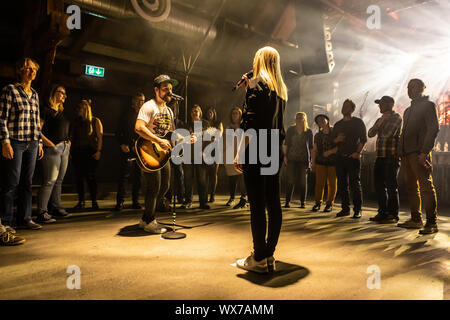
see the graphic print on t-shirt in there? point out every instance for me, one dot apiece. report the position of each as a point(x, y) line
point(161, 123)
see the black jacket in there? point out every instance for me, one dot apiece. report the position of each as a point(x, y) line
point(263, 109)
point(125, 130)
point(420, 127)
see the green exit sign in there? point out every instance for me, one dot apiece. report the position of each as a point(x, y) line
point(95, 71)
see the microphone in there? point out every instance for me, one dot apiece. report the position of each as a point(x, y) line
point(176, 97)
point(240, 82)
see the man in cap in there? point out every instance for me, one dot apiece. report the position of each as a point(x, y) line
point(387, 129)
point(419, 132)
point(154, 121)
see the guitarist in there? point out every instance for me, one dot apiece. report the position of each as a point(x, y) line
point(154, 121)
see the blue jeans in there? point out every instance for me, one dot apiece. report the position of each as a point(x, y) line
point(17, 173)
point(54, 167)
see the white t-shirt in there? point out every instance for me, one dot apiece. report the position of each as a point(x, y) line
point(158, 121)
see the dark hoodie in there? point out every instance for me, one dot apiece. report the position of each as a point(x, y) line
point(420, 127)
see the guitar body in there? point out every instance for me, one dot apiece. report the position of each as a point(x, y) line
point(150, 156)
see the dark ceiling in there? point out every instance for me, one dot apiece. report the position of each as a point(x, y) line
point(114, 36)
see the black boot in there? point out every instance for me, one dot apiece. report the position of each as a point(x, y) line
point(230, 202)
point(119, 206)
point(94, 205)
point(242, 203)
point(429, 228)
point(80, 205)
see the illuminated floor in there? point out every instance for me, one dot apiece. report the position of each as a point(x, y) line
point(320, 257)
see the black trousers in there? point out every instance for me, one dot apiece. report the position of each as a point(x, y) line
point(296, 175)
point(178, 180)
point(129, 170)
point(156, 186)
point(386, 186)
point(235, 182)
point(263, 193)
point(348, 172)
point(85, 169)
point(211, 176)
point(197, 173)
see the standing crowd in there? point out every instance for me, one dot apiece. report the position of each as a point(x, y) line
point(30, 132)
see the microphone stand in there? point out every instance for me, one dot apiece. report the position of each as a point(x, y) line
point(173, 235)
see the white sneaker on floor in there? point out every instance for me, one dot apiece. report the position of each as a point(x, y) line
point(142, 224)
point(10, 229)
point(154, 227)
point(271, 264)
point(250, 264)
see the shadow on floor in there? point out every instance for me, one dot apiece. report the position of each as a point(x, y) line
point(285, 275)
point(135, 231)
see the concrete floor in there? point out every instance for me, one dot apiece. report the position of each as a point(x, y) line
point(319, 257)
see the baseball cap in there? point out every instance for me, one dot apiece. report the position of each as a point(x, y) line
point(164, 78)
point(385, 98)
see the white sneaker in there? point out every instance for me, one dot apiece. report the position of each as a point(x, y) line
point(142, 224)
point(10, 229)
point(250, 264)
point(154, 227)
point(271, 265)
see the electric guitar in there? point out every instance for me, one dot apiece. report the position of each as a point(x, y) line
point(151, 157)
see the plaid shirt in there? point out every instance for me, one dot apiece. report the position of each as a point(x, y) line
point(19, 114)
point(388, 136)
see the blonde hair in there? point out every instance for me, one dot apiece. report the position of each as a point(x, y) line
point(21, 63)
point(51, 99)
point(87, 114)
point(305, 120)
point(196, 106)
point(266, 65)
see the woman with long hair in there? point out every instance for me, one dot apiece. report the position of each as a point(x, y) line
point(235, 179)
point(87, 140)
point(297, 156)
point(55, 137)
point(212, 169)
point(323, 163)
point(195, 172)
point(265, 102)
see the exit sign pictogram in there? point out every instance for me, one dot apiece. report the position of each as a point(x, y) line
point(95, 71)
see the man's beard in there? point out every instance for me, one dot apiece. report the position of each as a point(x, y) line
point(167, 98)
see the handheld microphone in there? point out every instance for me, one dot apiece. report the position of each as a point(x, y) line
point(240, 82)
point(176, 97)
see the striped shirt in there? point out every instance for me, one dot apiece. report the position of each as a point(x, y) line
point(19, 114)
point(388, 136)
